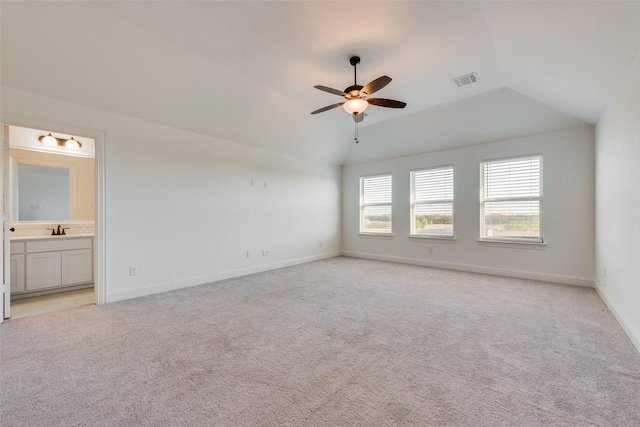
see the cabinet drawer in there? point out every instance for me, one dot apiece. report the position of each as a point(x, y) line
point(58, 245)
point(17, 248)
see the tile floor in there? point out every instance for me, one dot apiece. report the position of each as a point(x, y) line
point(53, 302)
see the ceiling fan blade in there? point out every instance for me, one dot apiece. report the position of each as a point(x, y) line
point(328, 107)
point(381, 102)
point(330, 90)
point(358, 117)
point(375, 85)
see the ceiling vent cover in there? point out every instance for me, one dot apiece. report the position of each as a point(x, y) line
point(467, 79)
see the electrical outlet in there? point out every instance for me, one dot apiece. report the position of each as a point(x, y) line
point(430, 249)
point(605, 272)
point(319, 244)
point(248, 254)
point(266, 184)
point(133, 270)
point(265, 252)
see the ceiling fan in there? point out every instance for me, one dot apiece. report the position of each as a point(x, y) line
point(356, 95)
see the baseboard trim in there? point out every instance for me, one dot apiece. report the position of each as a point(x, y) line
point(520, 274)
point(623, 320)
point(170, 286)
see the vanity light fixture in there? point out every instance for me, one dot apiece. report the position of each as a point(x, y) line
point(49, 140)
point(72, 144)
point(52, 141)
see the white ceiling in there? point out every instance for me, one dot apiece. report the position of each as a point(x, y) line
point(245, 71)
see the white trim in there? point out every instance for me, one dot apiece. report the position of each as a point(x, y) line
point(100, 232)
point(372, 234)
point(512, 244)
point(623, 320)
point(170, 286)
point(100, 189)
point(520, 274)
point(435, 239)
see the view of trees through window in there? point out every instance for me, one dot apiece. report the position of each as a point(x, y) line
point(377, 223)
point(432, 202)
point(375, 204)
point(512, 199)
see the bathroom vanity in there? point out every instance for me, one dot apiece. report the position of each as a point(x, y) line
point(41, 265)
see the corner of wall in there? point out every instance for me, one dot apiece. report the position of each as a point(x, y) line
point(623, 320)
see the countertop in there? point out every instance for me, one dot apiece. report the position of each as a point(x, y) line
point(65, 236)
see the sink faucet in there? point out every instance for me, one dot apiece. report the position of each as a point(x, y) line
point(59, 232)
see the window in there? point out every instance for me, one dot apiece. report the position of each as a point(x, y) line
point(432, 202)
point(375, 204)
point(511, 199)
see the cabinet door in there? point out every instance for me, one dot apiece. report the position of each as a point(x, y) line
point(44, 270)
point(77, 266)
point(17, 273)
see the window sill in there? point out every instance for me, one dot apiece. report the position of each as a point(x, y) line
point(513, 245)
point(434, 239)
point(383, 235)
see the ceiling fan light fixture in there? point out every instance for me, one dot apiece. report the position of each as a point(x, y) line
point(355, 106)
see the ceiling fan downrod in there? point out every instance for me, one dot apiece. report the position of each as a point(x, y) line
point(354, 61)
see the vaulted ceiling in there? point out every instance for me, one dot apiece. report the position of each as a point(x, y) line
point(245, 71)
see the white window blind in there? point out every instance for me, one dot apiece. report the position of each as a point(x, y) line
point(432, 202)
point(375, 204)
point(511, 199)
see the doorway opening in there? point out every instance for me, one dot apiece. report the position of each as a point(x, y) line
point(52, 239)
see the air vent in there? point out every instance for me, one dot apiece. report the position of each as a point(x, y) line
point(466, 79)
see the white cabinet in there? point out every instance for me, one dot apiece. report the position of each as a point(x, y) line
point(17, 273)
point(43, 270)
point(17, 267)
point(51, 263)
point(77, 266)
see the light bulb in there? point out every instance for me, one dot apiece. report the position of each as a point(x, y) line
point(355, 106)
point(72, 144)
point(49, 141)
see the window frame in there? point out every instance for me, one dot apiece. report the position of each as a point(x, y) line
point(364, 205)
point(413, 202)
point(539, 198)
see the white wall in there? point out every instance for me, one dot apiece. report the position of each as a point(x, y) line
point(568, 211)
point(618, 204)
point(180, 205)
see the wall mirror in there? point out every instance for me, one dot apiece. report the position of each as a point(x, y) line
point(50, 183)
point(50, 187)
point(40, 193)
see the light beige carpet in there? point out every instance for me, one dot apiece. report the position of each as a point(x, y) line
point(337, 342)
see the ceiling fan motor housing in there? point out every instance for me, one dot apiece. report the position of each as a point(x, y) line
point(353, 90)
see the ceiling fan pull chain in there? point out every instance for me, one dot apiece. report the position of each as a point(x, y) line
point(356, 133)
